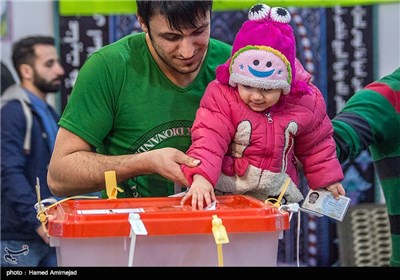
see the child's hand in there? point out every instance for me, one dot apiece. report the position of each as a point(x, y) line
point(336, 189)
point(201, 190)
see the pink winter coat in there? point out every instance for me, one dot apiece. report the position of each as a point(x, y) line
point(243, 151)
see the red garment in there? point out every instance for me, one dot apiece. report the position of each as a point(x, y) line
point(230, 137)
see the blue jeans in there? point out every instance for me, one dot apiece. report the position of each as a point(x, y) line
point(15, 253)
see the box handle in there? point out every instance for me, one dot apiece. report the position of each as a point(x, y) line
point(137, 228)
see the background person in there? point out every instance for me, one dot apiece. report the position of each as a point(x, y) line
point(257, 117)
point(27, 140)
point(7, 78)
point(370, 120)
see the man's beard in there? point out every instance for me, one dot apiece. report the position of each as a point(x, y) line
point(44, 85)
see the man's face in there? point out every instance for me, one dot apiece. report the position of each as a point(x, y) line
point(47, 71)
point(182, 52)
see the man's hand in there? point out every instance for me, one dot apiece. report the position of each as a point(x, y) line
point(167, 162)
point(42, 233)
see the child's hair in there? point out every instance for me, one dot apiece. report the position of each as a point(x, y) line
point(264, 53)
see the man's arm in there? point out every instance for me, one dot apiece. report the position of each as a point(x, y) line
point(75, 169)
point(368, 118)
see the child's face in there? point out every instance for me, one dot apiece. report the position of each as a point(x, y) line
point(259, 99)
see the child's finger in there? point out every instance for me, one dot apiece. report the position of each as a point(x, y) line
point(208, 200)
point(197, 201)
point(342, 191)
point(186, 197)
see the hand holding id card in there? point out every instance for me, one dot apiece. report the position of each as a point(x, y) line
point(322, 203)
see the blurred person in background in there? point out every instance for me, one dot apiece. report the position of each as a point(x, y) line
point(28, 130)
point(6, 78)
point(370, 120)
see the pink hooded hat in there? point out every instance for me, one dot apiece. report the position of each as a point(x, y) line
point(263, 53)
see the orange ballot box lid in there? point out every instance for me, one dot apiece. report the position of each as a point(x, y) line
point(162, 216)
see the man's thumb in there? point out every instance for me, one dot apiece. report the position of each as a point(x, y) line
point(192, 162)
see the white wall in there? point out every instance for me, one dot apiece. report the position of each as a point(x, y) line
point(389, 38)
point(27, 18)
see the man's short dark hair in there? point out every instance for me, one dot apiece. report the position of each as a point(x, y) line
point(23, 51)
point(180, 14)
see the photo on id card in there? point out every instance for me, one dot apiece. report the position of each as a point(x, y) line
point(322, 203)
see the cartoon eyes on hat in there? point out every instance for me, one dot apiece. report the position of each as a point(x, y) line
point(259, 11)
point(257, 62)
point(262, 11)
point(280, 14)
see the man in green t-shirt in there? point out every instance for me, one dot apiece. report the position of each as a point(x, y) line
point(134, 102)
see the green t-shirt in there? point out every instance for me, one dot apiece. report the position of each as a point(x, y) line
point(122, 103)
